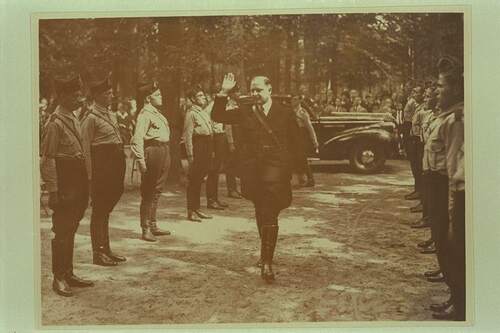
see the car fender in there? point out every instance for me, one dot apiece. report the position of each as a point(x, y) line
point(378, 134)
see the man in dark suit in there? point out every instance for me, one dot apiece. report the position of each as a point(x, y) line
point(268, 134)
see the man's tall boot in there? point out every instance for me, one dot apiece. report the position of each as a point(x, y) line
point(310, 177)
point(71, 278)
point(146, 232)
point(259, 229)
point(154, 206)
point(94, 232)
point(99, 256)
point(268, 244)
point(106, 244)
point(156, 231)
point(59, 285)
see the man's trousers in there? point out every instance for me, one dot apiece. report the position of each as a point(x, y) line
point(108, 173)
point(157, 156)
point(73, 195)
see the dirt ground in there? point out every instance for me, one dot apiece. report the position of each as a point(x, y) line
point(345, 253)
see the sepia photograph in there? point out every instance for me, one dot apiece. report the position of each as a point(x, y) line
point(254, 168)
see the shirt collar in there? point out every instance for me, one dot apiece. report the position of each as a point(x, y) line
point(150, 108)
point(62, 112)
point(196, 108)
point(100, 108)
point(451, 109)
point(267, 106)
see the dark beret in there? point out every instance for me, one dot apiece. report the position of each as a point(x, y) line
point(449, 65)
point(98, 87)
point(66, 87)
point(147, 88)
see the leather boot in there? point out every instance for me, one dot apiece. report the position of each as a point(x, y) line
point(222, 204)
point(75, 281)
point(310, 183)
point(94, 232)
point(234, 194)
point(432, 273)
point(71, 279)
point(101, 258)
point(157, 231)
point(154, 207)
point(61, 287)
point(201, 214)
point(259, 262)
point(412, 196)
point(268, 244)
point(147, 235)
point(425, 243)
point(310, 177)
point(214, 204)
point(107, 246)
point(417, 209)
point(146, 232)
point(438, 307)
point(259, 229)
point(447, 314)
point(191, 216)
point(436, 278)
point(59, 284)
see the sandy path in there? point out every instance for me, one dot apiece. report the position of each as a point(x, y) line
point(345, 252)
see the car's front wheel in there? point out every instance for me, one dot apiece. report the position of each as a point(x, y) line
point(367, 157)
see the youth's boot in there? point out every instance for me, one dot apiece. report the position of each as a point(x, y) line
point(59, 284)
point(71, 278)
point(106, 244)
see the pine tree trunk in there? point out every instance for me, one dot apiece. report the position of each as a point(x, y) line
point(170, 32)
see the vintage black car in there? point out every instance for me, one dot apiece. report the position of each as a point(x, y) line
point(365, 139)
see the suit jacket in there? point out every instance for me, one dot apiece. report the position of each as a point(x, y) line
point(265, 165)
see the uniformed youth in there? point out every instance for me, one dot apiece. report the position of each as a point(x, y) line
point(232, 154)
point(435, 160)
point(150, 145)
point(411, 141)
point(219, 155)
point(106, 169)
point(451, 135)
point(416, 132)
point(198, 139)
point(307, 138)
point(63, 170)
point(268, 137)
point(427, 116)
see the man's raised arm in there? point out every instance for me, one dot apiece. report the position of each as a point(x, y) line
point(219, 112)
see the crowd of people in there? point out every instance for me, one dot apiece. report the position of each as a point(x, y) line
point(433, 137)
point(352, 100)
point(260, 143)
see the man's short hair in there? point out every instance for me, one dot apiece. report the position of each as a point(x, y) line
point(99, 87)
point(68, 86)
point(452, 69)
point(191, 93)
point(266, 80)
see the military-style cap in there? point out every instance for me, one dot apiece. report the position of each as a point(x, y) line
point(66, 87)
point(147, 88)
point(98, 87)
point(449, 65)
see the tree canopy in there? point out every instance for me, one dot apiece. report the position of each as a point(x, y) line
point(300, 53)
